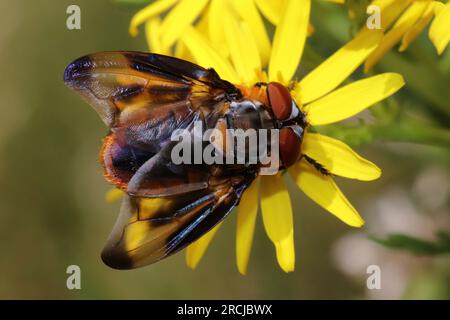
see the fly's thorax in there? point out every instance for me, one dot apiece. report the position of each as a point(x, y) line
point(246, 130)
point(249, 114)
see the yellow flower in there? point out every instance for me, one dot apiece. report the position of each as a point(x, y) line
point(163, 34)
point(440, 28)
point(317, 96)
point(404, 20)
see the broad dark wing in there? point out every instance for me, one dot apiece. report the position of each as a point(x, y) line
point(150, 229)
point(143, 98)
point(127, 88)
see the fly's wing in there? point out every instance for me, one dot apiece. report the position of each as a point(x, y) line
point(127, 87)
point(143, 98)
point(150, 229)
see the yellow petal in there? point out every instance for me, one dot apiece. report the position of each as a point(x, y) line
point(216, 28)
point(197, 249)
point(179, 18)
point(271, 9)
point(113, 195)
point(148, 12)
point(338, 67)
point(338, 158)
point(247, 210)
point(403, 24)
point(182, 52)
point(243, 49)
point(353, 98)
point(203, 24)
point(289, 40)
point(277, 217)
point(249, 13)
point(324, 191)
point(153, 35)
point(440, 29)
point(438, 7)
point(207, 57)
point(416, 29)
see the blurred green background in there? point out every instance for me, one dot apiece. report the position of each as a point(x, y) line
point(53, 213)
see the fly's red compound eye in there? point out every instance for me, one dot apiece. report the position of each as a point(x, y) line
point(290, 144)
point(280, 100)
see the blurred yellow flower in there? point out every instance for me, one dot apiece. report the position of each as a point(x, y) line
point(113, 195)
point(163, 34)
point(404, 20)
point(317, 97)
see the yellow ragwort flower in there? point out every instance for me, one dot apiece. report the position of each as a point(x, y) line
point(319, 98)
point(404, 20)
point(163, 34)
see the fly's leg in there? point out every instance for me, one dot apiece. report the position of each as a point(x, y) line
point(319, 167)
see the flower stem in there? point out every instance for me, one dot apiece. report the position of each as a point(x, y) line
point(404, 131)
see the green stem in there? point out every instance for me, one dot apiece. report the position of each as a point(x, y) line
point(408, 132)
point(404, 131)
point(422, 80)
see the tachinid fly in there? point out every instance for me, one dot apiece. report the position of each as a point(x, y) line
point(143, 98)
